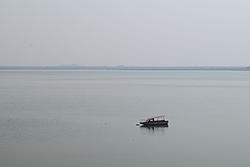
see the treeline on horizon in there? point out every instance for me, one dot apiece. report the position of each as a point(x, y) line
point(77, 67)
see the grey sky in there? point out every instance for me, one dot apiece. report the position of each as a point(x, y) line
point(125, 32)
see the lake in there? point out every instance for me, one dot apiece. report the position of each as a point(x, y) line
point(87, 118)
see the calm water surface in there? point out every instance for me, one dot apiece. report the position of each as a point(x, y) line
point(88, 118)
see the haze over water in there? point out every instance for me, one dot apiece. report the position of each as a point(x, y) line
point(88, 118)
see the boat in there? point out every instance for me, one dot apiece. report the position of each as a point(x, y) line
point(155, 121)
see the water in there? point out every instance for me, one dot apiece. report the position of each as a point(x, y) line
point(88, 118)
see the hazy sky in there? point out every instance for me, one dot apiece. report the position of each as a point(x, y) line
point(125, 32)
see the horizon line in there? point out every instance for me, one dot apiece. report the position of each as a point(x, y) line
point(124, 67)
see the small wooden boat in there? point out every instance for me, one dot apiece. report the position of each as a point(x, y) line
point(155, 121)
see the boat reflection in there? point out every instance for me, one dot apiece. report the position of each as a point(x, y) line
point(153, 130)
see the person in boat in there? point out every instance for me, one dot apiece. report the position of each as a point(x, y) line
point(151, 120)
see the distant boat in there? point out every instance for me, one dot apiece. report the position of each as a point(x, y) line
point(155, 121)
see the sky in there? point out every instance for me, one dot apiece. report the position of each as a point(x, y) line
point(125, 32)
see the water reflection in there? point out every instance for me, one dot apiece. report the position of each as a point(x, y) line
point(153, 130)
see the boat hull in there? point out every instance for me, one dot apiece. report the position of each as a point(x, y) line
point(154, 123)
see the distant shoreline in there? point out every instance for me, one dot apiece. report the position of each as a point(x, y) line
point(148, 68)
